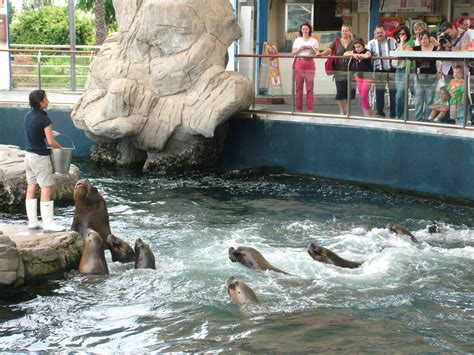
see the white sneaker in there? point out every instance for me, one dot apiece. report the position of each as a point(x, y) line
point(47, 216)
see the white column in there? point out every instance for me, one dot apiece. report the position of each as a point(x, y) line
point(4, 44)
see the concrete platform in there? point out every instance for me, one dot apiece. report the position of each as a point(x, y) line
point(28, 256)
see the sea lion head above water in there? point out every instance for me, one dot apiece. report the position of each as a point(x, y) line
point(324, 255)
point(240, 293)
point(93, 259)
point(120, 250)
point(401, 230)
point(251, 258)
point(144, 257)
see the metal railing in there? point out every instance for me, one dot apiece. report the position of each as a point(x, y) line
point(325, 88)
point(51, 67)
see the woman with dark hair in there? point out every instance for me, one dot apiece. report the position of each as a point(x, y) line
point(39, 171)
point(304, 47)
point(405, 43)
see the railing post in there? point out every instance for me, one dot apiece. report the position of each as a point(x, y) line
point(38, 64)
point(72, 42)
point(349, 87)
point(407, 87)
point(466, 93)
point(293, 86)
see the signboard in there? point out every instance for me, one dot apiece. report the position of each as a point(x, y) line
point(269, 74)
point(398, 6)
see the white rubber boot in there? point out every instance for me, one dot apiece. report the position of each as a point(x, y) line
point(47, 216)
point(32, 213)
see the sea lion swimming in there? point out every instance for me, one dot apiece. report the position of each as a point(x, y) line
point(144, 257)
point(251, 258)
point(93, 259)
point(120, 250)
point(90, 211)
point(240, 293)
point(401, 230)
point(327, 256)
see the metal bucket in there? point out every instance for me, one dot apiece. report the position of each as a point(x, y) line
point(61, 158)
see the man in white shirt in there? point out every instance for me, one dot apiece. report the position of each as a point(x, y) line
point(381, 46)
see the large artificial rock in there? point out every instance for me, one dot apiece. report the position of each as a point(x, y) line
point(30, 256)
point(159, 86)
point(13, 180)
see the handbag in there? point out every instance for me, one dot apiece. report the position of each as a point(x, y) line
point(330, 64)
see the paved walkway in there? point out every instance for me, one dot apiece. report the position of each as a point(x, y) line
point(19, 98)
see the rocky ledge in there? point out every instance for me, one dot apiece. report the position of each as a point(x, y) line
point(30, 256)
point(13, 180)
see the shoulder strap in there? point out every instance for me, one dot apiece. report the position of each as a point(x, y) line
point(458, 39)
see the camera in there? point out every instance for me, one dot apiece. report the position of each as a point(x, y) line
point(443, 39)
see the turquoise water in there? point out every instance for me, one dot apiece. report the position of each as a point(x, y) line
point(404, 298)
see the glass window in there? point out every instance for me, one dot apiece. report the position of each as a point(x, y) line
point(296, 14)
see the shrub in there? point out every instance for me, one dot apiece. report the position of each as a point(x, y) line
point(50, 25)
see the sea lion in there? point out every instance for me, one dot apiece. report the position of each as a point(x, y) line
point(144, 258)
point(401, 230)
point(433, 228)
point(240, 293)
point(327, 256)
point(252, 258)
point(120, 250)
point(93, 259)
point(90, 211)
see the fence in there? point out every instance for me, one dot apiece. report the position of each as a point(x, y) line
point(50, 67)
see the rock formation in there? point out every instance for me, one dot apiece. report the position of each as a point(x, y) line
point(157, 89)
point(28, 256)
point(13, 180)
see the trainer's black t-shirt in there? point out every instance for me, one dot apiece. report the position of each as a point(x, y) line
point(35, 123)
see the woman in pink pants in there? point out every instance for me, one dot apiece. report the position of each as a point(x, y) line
point(305, 46)
point(364, 75)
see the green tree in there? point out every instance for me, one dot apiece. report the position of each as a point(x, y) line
point(35, 4)
point(50, 25)
point(90, 6)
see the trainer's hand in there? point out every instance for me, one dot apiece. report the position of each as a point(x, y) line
point(55, 133)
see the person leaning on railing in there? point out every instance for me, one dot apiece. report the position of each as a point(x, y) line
point(305, 46)
point(341, 45)
point(451, 39)
point(384, 72)
point(39, 171)
point(404, 43)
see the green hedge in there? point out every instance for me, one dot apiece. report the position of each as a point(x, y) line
point(50, 25)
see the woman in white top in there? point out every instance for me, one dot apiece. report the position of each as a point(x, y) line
point(305, 46)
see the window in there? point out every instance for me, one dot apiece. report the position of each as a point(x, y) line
point(296, 14)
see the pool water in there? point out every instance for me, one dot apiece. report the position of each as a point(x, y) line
point(405, 297)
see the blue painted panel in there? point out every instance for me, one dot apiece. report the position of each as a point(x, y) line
point(406, 160)
point(11, 121)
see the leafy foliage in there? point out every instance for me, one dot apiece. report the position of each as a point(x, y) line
point(88, 6)
point(50, 25)
point(35, 4)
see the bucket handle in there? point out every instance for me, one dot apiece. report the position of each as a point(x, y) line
point(62, 134)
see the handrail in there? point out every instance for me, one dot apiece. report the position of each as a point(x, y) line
point(45, 51)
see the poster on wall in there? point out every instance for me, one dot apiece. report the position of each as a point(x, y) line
point(398, 5)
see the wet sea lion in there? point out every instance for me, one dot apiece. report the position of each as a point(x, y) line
point(90, 210)
point(120, 250)
point(144, 258)
point(240, 293)
point(252, 258)
point(401, 230)
point(93, 259)
point(433, 228)
point(327, 256)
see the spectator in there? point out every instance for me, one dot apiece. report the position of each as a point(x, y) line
point(440, 106)
point(420, 27)
point(425, 78)
point(456, 91)
point(341, 45)
point(381, 46)
point(451, 39)
point(405, 43)
point(305, 47)
point(364, 75)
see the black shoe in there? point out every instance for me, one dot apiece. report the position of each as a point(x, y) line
point(380, 115)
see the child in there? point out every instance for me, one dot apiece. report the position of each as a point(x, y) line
point(364, 75)
point(456, 90)
point(440, 107)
